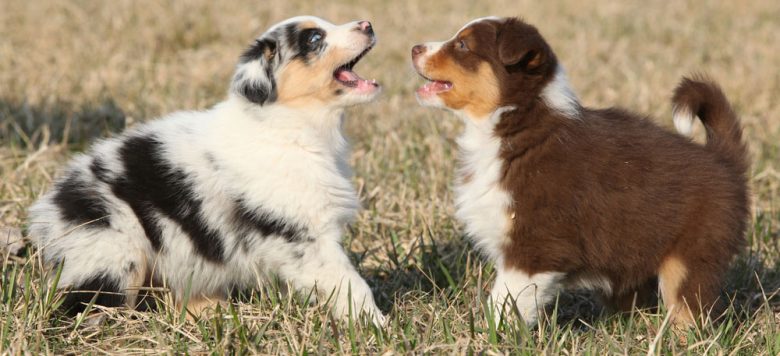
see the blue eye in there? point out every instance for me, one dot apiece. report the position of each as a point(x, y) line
point(315, 37)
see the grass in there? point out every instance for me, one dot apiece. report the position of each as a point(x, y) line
point(74, 70)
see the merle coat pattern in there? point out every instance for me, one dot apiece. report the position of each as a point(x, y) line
point(222, 199)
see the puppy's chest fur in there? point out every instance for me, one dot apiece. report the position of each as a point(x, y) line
point(482, 203)
point(303, 177)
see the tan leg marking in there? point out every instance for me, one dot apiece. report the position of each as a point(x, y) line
point(200, 307)
point(672, 274)
point(135, 282)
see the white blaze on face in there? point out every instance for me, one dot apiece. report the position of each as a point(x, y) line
point(486, 18)
point(427, 94)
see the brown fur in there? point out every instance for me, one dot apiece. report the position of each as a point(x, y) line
point(475, 86)
point(610, 193)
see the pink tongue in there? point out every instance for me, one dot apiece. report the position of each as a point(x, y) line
point(346, 75)
point(366, 85)
point(359, 83)
point(436, 86)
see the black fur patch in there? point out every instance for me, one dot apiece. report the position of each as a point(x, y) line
point(130, 268)
point(80, 203)
point(143, 210)
point(99, 169)
point(258, 50)
point(151, 185)
point(291, 35)
point(259, 93)
point(106, 288)
point(258, 90)
point(300, 41)
point(256, 220)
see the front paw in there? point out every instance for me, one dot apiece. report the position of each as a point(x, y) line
point(509, 312)
point(378, 319)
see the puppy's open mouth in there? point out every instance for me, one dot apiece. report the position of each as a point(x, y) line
point(347, 77)
point(434, 86)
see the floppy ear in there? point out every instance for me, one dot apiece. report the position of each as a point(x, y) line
point(520, 47)
point(254, 76)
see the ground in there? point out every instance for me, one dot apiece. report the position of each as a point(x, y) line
point(71, 71)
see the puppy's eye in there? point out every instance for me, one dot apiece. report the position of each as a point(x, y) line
point(462, 45)
point(315, 37)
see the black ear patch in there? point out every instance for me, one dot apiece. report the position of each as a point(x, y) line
point(259, 93)
point(260, 49)
point(254, 77)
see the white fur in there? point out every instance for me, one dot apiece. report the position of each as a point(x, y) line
point(683, 121)
point(485, 207)
point(344, 40)
point(343, 34)
point(482, 204)
point(527, 293)
point(477, 20)
point(559, 95)
point(593, 282)
point(291, 162)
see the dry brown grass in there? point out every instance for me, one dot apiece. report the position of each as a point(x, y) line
point(72, 70)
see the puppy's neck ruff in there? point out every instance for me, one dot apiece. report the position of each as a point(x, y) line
point(318, 123)
point(482, 203)
point(559, 95)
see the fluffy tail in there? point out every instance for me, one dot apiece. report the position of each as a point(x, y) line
point(701, 97)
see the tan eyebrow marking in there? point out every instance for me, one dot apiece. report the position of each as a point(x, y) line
point(307, 25)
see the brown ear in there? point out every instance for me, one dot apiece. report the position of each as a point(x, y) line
point(520, 46)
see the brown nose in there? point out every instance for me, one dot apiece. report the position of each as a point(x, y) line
point(365, 26)
point(418, 50)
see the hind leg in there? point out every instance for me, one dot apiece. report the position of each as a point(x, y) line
point(103, 264)
point(689, 293)
point(643, 296)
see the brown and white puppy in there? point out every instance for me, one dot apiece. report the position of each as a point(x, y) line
point(562, 196)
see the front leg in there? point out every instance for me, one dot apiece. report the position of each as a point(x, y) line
point(514, 288)
point(325, 268)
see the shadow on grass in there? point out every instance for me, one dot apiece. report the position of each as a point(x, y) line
point(423, 268)
point(428, 267)
point(29, 125)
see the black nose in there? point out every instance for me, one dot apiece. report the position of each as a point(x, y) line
point(417, 50)
point(365, 26)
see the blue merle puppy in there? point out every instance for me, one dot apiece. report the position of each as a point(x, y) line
point(220, 200)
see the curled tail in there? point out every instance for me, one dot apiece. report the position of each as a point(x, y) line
point(701, 97)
